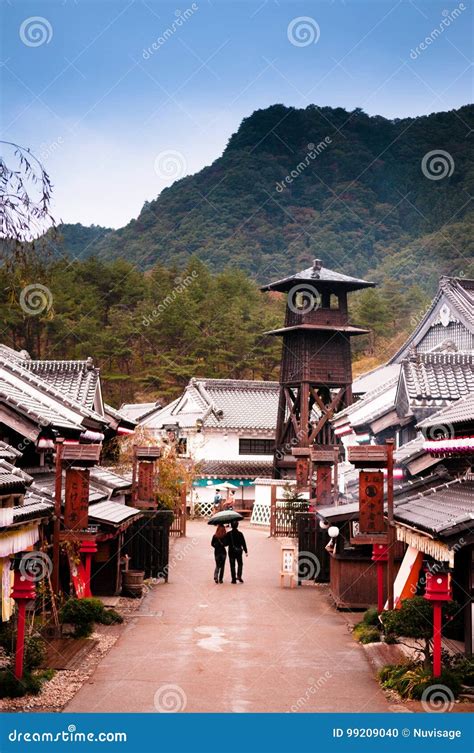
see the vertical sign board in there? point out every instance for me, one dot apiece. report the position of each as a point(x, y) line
point(324, 484)
point(302, 469)
point(76, 505)
point(145, 481)
point(371, 502)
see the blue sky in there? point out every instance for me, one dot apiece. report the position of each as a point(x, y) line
point(109, 115)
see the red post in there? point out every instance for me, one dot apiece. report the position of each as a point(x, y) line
point(380, 555)
point(88, 548)
point(379, 587)
point(436, 639)
point(23, 591)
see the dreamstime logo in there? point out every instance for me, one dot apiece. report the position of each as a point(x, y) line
point(170, 165)
point(314, 150)
point(35, 31)
point(177, 558)
point(312, 689)
point(35, 566)
point(180, 287)
point(170, 699)
point(437, 165)
point(180, 18)
point(439, 431)
point(35, 299)
point(309, 566)
point(446, 21)
point(302, 299)
point(303, 31)
point(437, 698)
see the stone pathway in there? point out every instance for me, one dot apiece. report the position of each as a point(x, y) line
point(200, 647)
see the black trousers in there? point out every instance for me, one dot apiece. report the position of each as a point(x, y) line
point(236, 557)
point(220, 565)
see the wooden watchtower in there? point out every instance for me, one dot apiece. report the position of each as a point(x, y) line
point(316, 371)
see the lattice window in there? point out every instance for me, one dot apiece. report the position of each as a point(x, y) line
point(261, 514)
point(204, 509)
point(256, 446)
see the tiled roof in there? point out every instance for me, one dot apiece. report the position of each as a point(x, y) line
point(223, 404)
point(8, 452)
point(6, 467)
point(76, 379)
point(459, 412)
point(31, 395)
point(118, 415)
point(138, 411)
point(374, 404)
point(35, 506)
point(32, 406)
point(44, 484)
point(324, 275)
point(112, 512)
point(459, 294)
point(371, 380)
point(409, 450)
point(10, 483)
point(106, 477)
point(443, 511)
point(433, 378)
point(236, 468)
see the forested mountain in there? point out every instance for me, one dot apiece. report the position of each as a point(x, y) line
point(175, 293)
point(362, 200)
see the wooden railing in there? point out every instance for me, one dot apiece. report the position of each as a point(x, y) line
point(283, 515)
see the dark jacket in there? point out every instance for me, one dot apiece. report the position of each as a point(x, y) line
point(235, 540)
point(219, 546)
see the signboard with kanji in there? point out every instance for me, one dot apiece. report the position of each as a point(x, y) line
point(324, 483)
point(371, 518)
point(76, 504)
point(302, 470)
point(145, 481)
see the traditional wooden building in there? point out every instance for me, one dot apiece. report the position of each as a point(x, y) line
point(227, 427)
point(41, 401)
point(316, 369)
point(23, 517)
point(433, 368)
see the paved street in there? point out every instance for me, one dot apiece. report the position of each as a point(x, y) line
point(200, 647)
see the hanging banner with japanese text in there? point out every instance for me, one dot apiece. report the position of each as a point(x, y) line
point(76, 505)
point(371, 502)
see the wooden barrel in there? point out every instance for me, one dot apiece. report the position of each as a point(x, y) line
point(132, 584)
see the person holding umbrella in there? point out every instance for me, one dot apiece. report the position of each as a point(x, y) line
point(220, 554)
point(235, 540)
point(220, 541)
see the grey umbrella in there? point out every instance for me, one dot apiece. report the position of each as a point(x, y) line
point(226, 516)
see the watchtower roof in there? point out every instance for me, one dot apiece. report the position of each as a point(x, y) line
point(321, 277)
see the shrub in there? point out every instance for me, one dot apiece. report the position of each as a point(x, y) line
point(411, 680)
point(83, 613)
point(414, 619)
point(110, 617)
point(461, 666)
point(10, 687)
point(371, 617)
point(35, 651)
point(366, 633)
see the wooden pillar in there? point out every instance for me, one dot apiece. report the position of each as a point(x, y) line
point(57, 515)
point(391, 525)
point(183, 510)
point(273, 496)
